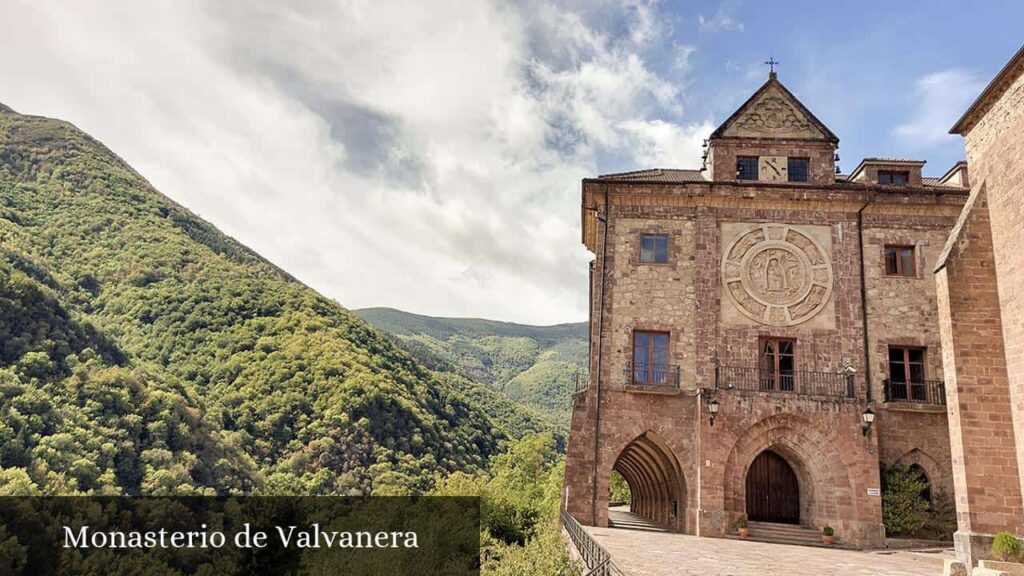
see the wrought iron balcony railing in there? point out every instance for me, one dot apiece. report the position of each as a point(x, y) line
point(784, 381)
point(917, 392)
point(652, 376)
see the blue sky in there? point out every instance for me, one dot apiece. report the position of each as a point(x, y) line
point(866, 69)
point(428, 155)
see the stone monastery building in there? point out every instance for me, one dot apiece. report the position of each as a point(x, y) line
point(765, 332)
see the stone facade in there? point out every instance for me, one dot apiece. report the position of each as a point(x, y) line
point(981, 290)
point(746, 261)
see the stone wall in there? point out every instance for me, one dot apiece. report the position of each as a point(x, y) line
point(903, 311)
point(995, 153)
point(985, 472)
point(821, 156)
point(819, 436)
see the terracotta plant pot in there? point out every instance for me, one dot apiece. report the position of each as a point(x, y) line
point(826, 539)
point(743, 532)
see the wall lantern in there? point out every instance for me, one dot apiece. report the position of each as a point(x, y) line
point(869, 418)
point(712, 411)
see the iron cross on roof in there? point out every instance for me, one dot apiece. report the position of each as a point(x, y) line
point(772, 63)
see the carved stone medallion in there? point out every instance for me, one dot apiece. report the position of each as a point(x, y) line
point(777, 275)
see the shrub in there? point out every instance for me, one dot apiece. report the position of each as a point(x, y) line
point(1006, 547)
point(904, 510)
point(941, 516)
point(828, 531)
point(741, 523)
point(618, 489)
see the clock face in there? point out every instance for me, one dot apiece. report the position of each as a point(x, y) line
point(773, 169)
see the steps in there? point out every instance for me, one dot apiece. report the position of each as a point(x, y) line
point(784, 534)
point(623, 518)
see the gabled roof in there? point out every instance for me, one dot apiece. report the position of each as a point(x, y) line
point(995, 88)
point(773, 84)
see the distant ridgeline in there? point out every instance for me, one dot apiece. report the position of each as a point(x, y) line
point(534, 365)
point(143, 351)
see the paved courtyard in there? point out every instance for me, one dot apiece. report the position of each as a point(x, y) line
point(640, 552)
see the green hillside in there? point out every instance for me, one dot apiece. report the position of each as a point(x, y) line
point(143, 351)
point(534, 365)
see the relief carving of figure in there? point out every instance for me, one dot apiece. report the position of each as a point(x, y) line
point(776, 275)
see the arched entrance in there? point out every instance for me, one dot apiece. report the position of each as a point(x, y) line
point(656, 485)
point(926, 492)
point(773, 492)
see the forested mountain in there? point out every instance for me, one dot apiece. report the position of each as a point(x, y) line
point(143, 351)
point(535, 365)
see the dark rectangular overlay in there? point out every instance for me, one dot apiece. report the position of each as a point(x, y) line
point(248, 535)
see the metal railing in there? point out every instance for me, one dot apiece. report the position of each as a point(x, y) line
point(652, 376)
point(594, 556)
point(916, 392)
point(803, 382)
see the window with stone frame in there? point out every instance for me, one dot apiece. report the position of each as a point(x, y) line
point(746, 167)
point(650, 357)
point(906, 373)
point(653, 248)
point(798, 169)
point(894, 177)
point(777, 368)
point(900, 260)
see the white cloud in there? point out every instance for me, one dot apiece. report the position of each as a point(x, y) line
point(425, 156)
point(724, 19)
point(940, 98)
point(666, 145)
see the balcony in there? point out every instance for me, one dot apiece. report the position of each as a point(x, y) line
point(652, 377)
point(919, 392)
point(801, 382)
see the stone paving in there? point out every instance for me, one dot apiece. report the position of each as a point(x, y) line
point(654, 553)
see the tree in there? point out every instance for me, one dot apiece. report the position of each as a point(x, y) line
point(904, 510)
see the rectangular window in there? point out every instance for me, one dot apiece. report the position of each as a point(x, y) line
point(906, 373)
point(746, 167)
point(799, 169)
point(900, 260)
point(899, 178)
point(778, 364)
point(650, 357)
point(654, 248)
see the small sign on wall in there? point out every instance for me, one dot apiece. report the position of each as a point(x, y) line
point(874, 491)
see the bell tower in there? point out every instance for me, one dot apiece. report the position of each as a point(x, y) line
point(772, 138)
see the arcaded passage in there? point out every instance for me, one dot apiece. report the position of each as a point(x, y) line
point(655, 480)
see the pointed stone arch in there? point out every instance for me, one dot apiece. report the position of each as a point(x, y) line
point(655, 480)
point(929, 467)
point(823, 474)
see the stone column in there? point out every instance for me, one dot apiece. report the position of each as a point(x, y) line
point(982, 439)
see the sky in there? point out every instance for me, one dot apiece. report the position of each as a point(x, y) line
point(427, 156)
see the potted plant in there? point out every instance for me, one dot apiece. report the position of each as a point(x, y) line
point(827, 534)
point(741, 528)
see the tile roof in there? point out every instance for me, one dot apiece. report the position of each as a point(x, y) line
point(672, 175)
point(932, 182)
point(684, 176)
point(890, 159)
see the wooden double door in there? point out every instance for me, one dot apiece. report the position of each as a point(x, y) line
point(773, 494)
